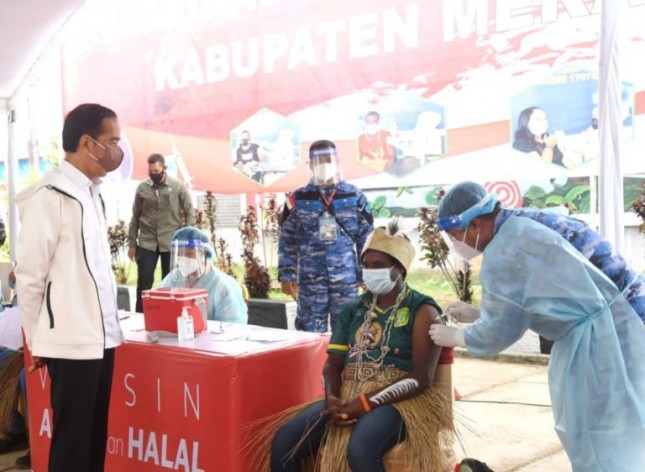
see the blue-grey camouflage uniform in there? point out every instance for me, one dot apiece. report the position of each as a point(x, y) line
point(327, 272)
point(594, 247)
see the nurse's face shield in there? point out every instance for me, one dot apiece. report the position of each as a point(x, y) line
point(460, 222)
point(452, 240)
point(462, 253)
point(189, 257)
point(453, 229)
point(325, 169)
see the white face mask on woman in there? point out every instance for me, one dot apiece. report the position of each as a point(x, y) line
point(463, 250)
point(187, 265)
point(538, 124)
point(378, 281)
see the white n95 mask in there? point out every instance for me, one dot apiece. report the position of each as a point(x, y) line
point(463, 250)
point(187, 265)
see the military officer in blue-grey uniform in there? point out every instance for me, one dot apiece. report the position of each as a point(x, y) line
point(582, 237)
point(323, 227)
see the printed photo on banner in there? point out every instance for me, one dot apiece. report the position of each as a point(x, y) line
point(400, 132)
point(412, 93)
point(265, 146)
point(556, 120)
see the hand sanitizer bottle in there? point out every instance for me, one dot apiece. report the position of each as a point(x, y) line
point(185, 326)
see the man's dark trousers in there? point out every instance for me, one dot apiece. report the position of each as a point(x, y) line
point(146, 265)
point(80, 399)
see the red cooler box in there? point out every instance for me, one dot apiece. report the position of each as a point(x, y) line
point(162, 306)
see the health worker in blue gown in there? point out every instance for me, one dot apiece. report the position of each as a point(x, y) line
point(533, 278)
point(190, 260)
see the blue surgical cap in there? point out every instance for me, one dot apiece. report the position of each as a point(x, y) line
point(463, 203)
point(190, 233)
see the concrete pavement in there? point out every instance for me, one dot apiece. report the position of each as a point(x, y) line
point(8, 460)
point(504, 416)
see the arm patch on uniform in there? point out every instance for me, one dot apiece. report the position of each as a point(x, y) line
point(286, 210)
point(284, 215)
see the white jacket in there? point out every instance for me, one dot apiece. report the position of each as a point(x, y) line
point(58, 296)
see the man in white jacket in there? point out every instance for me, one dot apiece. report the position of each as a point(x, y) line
point(67, 290)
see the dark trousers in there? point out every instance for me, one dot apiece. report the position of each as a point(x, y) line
point(80, 399)
point(372, 436)
point(146, 265)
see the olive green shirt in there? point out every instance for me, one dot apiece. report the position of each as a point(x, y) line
point(158, 211)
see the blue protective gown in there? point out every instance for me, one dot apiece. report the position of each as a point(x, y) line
point(592, 246)
point(327, 271)
point(532, 278)
point(225, 299)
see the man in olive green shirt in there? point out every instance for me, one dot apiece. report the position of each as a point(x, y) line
point(162, 205)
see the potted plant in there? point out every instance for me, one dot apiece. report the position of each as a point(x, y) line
point(270, 228)
point(262, 310)
point(118, 240)
point(256, 276)
point(205, 219)
point(436, 252)
point(638, 207)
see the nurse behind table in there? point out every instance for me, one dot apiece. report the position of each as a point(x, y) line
point(190, 260)
point(532, 278)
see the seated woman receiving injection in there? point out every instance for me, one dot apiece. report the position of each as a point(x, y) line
point(378, 376)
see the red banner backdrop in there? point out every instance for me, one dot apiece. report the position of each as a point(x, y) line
point(447, 78)
point(182, 409)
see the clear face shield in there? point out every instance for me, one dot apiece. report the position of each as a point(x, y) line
point(449, 224)
point(324, 166)
point(460, 252)
point(189, 257)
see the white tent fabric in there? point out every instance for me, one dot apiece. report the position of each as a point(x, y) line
point(631, 162)
point(490, 164)
point(610, 123)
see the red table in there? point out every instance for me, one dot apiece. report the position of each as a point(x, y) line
point(185, 407)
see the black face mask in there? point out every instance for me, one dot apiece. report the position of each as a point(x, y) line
point(157, 178)
point(245, 141)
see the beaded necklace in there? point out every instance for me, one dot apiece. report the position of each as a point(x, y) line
point(360, 348)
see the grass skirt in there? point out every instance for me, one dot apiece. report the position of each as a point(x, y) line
point(428, 420)
point(424, 416)
point(9, 390)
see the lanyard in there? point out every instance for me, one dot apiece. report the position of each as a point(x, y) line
point(327, 200)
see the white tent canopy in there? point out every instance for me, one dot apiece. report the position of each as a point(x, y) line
point(610, 196)
point(631, 163)
point(27, 27)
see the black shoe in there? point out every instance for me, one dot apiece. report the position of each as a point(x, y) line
point(14, 442)
point(23, 462)
point(472, 465)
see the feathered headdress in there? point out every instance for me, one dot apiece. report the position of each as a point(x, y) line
point(391, 241)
